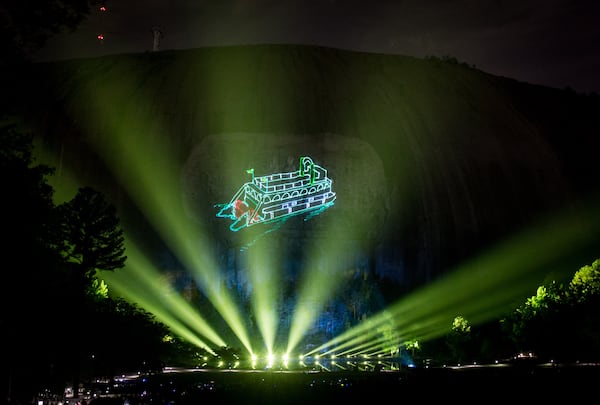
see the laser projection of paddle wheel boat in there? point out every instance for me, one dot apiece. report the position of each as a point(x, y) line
point(277, 197)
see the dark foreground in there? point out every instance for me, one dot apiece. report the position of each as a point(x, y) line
point(551, 384)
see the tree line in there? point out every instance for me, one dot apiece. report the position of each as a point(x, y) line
point(560, 323)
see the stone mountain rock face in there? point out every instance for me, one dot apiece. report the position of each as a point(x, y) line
point(432, 162)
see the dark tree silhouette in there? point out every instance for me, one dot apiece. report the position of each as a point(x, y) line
point(121, 337)
point(92, 237)
point(50, 256)
point(49, 259)
point(91, 240)
point(27, 204)
point(32, 298)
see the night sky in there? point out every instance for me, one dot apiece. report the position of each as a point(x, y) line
point(549, 42)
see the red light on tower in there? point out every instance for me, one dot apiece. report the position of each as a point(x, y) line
point(100, 37)
point(102, 8)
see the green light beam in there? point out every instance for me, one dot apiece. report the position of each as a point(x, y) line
point(152, 179)
point(141, 276)
point(491, 284)
point(345, 233)
point(364, 330)
point(266, 284)
point(351, 343)
point(322, 277)
point(66, 187)
point(123, 288)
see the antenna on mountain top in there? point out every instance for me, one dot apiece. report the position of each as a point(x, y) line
point(157, 35)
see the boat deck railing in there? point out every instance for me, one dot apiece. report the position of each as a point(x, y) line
point(283, 181)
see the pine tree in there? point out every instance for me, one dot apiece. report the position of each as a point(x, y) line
point(91, 240)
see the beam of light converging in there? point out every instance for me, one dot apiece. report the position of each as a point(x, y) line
point(326, 267)
point(137, 152)
point(262, 262)
point(264, 254)
point(323, 273)
point(369, 331)
point(343, 232)
point(489, 285)
point(387, 339)
point(122, 286)
point(265, 290)
point(383, 345)
point(140, 283)
point(364, 347)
